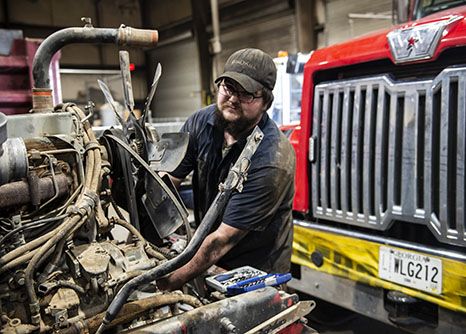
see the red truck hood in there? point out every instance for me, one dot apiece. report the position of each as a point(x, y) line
point(375, 46)
point(371, 47)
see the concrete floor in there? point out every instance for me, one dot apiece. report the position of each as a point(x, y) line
point(358, 325)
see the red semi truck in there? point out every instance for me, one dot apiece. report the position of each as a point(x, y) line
point(380, 191)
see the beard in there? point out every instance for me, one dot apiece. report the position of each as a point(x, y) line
point(235, 128)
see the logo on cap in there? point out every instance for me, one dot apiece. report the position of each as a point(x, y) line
point(243, 63)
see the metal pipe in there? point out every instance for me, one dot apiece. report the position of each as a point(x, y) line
point(215, 44)
point(123, 36)
point(17, 193)
point(133, 310)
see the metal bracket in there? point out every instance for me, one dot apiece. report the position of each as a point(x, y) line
point(239, 172)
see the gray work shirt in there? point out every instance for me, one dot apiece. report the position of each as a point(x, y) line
point(264, 206)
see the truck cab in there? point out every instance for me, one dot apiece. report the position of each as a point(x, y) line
point(380, 225)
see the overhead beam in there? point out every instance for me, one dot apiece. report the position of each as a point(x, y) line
point(201, 19)
point(306, 21)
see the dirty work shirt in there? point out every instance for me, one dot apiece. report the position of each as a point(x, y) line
point(263, 208)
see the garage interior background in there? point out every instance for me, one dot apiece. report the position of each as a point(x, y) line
point(184, 32)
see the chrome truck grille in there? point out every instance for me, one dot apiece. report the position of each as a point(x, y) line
point(385, 151)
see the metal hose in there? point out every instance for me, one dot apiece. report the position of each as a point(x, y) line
point(31, 245)
point(23, 259)
point(61, 232)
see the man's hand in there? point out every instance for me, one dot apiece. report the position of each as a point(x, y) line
point(216, 245)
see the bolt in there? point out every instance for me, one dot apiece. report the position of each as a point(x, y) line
point(228, 325)
point(21, 281)
point(316, 285)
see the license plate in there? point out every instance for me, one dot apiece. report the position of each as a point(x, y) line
point(414, 270)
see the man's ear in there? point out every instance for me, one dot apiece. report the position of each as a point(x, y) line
point(267, 106)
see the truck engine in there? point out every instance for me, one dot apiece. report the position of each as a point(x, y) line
point(62, 192)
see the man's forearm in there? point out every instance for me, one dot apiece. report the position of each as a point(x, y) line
point(216, 245)
point(207, 255)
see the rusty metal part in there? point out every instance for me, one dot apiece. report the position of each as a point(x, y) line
point(17, 193)
point(42, 99)
point(232, 315)
point(128, 36)
point(133, 310)
point(93, 258)
point(45, 144)
point(147, 247)
point(34, 188)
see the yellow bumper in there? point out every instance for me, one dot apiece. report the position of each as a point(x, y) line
point(358, 260)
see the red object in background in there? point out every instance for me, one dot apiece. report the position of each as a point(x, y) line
point(367, 48)
point(132, 67)
point(16, 79)
point(296, 328)
point(292, 132)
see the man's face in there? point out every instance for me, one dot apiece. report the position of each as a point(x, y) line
point(238, 109)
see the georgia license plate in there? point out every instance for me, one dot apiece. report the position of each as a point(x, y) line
point(415, 270)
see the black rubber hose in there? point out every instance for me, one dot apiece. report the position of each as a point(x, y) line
point(121, 36)
point(165, 268)
point(33, 223)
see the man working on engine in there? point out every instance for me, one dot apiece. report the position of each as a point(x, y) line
point(256, 226)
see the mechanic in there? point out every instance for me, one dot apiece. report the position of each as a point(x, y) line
point(256, 226)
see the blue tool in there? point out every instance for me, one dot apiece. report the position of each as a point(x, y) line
point(221, 281)
point(258, 283)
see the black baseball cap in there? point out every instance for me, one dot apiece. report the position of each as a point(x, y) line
point(253, 69)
